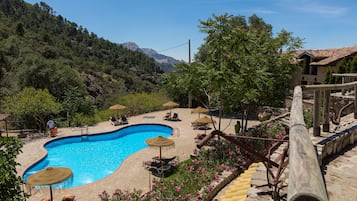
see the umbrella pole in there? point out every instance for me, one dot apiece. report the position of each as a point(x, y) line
point(51, 193)
point(160, 153)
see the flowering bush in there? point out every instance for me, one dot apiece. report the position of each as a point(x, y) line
point(119, 195)
point(194, 177)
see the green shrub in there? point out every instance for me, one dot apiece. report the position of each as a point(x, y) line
point(144, 102)
point(81, 119)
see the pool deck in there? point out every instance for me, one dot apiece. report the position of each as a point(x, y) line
point(131, 174)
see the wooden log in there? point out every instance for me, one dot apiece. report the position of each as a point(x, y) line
point(326, 123)
point(316, 117)
point(355, 103)
point(329, 86)
point(305, 177)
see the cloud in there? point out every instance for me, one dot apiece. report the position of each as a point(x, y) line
point(262, 11)
point(316, 7)
point(324, 10)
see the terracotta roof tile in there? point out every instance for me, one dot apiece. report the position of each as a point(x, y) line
point(3, 116)
point(327, 56)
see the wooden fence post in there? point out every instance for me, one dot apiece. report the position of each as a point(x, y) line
point(305, 177)
point(326, 123)
point(316, 120)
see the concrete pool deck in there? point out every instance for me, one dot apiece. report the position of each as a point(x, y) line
point(131, 174)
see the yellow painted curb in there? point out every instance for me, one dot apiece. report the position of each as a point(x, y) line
point(238, 190)
point(240, 184)
point(234, 198)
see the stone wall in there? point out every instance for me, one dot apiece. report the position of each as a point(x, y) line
point(335, 143)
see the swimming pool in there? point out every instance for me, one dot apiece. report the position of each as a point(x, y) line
point(94, 157)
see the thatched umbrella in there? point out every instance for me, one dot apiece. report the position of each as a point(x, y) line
point(117, 107)
point(204, 121)
point(170, 105)
point(159, 141)
point(199, 110)
point(49, 176)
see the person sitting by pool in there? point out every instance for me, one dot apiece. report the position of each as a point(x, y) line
point(175, 117)
point(167, 116)
point(114, 121)
point(123, 119)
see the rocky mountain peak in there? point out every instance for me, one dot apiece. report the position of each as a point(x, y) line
point(166, 62)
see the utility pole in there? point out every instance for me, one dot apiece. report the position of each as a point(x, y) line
point(189, 51)
point(189, 63)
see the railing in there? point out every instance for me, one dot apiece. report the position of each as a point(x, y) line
point(327, 88)
point(84, 133)
point(305, 178)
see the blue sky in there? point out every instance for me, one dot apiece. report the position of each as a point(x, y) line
point(167, 25)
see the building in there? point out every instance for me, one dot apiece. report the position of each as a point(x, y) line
point(315, 64)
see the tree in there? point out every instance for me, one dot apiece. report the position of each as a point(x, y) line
point(10, 183)
point(184, 79)
point(20, 29)
point(32, 106)
point(242, 64)
point(74, 101)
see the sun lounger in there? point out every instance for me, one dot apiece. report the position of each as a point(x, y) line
point(161, 171)
point(175, 117)
point(200, 136)
point(69, 198)
point(114, 121)
point(123, 120)
point(167, 116)
point(163, 159)
point(149, 164)
point(200, 126)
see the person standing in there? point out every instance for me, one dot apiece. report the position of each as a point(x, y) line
point(51, 125)
point(237, 127)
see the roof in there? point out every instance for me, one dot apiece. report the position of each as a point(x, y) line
point(3, 116)
point(326, 56)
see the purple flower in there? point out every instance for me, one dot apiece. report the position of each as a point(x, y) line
point(177, 188)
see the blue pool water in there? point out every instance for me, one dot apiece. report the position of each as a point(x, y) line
point(94, 157)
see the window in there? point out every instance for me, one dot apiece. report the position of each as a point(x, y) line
point(306, 64)
point(314, 70)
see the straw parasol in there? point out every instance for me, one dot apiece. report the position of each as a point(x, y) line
point(199, 110)
point(204, 120)
point(159, 141)
point(49, 176)
point(170, 105)
point(117, 107)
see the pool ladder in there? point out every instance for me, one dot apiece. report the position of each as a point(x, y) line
point(84, 133)
point(176, 132)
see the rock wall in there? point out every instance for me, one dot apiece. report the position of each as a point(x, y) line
point(335, 143)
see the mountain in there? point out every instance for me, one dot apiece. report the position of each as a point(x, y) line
point(44, 50)
point(167, 63)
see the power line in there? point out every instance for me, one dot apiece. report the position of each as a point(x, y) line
point(177, 46)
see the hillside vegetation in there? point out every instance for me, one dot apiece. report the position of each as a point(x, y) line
point(46, 51)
